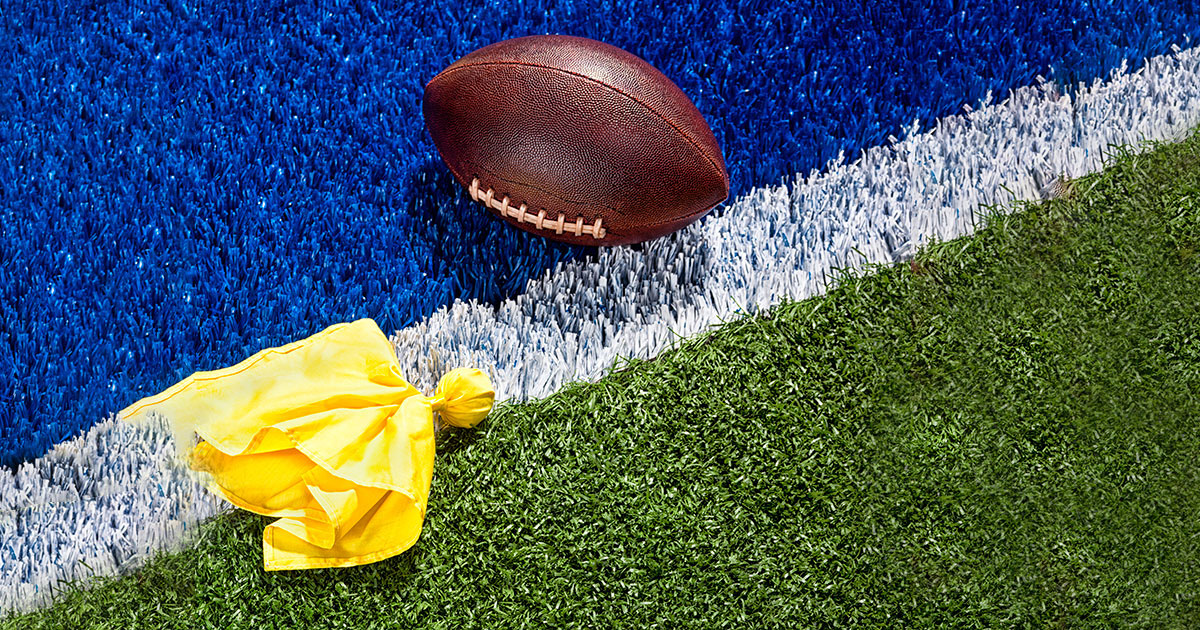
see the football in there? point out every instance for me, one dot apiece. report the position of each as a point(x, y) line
point(575, 140)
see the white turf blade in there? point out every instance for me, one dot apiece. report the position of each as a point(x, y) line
point(108, 500)
point(788, 240)
point(111, 500)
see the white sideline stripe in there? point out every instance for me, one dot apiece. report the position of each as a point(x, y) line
point(786, 240)
point(110, 499)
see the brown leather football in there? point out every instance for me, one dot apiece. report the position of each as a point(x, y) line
point(575, 140)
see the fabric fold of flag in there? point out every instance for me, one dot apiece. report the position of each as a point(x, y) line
point(324, 434)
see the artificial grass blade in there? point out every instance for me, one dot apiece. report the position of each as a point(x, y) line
point(1002, 432)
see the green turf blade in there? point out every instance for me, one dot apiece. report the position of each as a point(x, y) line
point(1003, 432)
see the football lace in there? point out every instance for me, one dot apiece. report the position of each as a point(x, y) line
point(522, 215)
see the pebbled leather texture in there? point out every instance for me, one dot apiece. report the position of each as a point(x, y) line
point(579, 128)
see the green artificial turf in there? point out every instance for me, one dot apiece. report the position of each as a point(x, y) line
point(1003, 432)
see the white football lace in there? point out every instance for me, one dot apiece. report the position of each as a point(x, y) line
point(522, 215)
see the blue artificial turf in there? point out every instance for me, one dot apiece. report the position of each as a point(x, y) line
point(183, 184)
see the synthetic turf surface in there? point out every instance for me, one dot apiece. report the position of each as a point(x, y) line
point(1000, 434)
point(183, 184)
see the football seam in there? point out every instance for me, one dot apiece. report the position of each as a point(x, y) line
point(608, 231)
point(686, 136)
point(463, 182)
point(513, 182)
point(559, 225)
point(493, 175)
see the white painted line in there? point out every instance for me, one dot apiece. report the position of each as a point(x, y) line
point(110, 499)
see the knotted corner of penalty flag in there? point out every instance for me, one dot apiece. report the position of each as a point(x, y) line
point(324, 434)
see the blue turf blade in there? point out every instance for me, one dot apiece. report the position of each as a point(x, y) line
point(183, 185)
